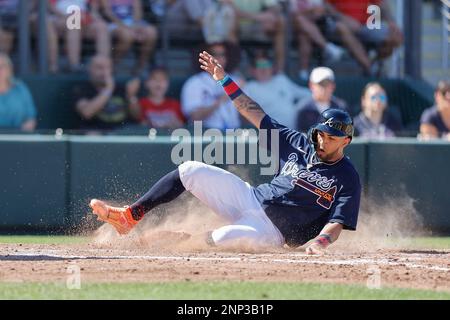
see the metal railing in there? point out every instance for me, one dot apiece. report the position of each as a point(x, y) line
point(396, 70)
point(24, 37)
point(445, 33)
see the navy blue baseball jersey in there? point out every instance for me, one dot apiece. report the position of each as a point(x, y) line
point(306, 193)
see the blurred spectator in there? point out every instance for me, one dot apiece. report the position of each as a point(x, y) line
point(306, 13)
point(259, 19)
point(156, 110)
point(102, 103)
point(219, 23)
point(6, 40)
point(8, 24)
point(154, 11)
point(375, 121)
point(52, 36)
point(92, 28)
point(185, 18)
point(203, 99)
point(127, 24)
point(234, 55)
point(435, 121)
point(211, 20)
point(17, 110)
point(322, 85)
point(276, 94)
point(351, 25)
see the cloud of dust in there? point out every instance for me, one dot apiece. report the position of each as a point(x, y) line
point(241, 171)
point(182, 224)
point(178, 226)
point(387, 224)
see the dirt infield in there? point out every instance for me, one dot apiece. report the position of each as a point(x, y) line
point(106, 263)
point(159, 252)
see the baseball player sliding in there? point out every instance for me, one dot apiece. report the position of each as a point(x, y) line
point(314, 195)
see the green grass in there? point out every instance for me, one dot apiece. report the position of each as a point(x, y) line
point(208, 290)
point(417, 243)
point(429, 243)
point(44, 239)
point(211, 290)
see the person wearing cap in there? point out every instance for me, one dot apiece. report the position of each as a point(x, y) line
point(322, 85)
point(278, 94)
point(435, 121)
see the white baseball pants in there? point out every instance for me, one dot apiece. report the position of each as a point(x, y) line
point(233, 199)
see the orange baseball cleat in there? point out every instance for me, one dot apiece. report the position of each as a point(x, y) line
point(119, 218)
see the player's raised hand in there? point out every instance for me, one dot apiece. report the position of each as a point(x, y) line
point(211, 65)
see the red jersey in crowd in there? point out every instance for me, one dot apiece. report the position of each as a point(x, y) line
point(357, 9)
point(165, 114)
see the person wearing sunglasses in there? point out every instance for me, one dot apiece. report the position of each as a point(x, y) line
point(374, 121)
point(276, 92)
point(435, 121)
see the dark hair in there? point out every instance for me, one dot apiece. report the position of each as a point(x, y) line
point(233, 52)
point(443, 87)
point(208, 46)
point(369, 85)
point(157, 69)
point(201, 48)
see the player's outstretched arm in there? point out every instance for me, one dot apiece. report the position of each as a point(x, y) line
point(329, 234)
point(247, 107)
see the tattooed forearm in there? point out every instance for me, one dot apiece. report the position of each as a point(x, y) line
point(244, 103)
point(249, 109)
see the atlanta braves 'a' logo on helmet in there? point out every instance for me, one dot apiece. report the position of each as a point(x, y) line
point(335, 122)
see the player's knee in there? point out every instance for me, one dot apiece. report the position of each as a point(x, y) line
point(235, 234)
point(151, 33)
point(189, 166)
point(188, 170)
